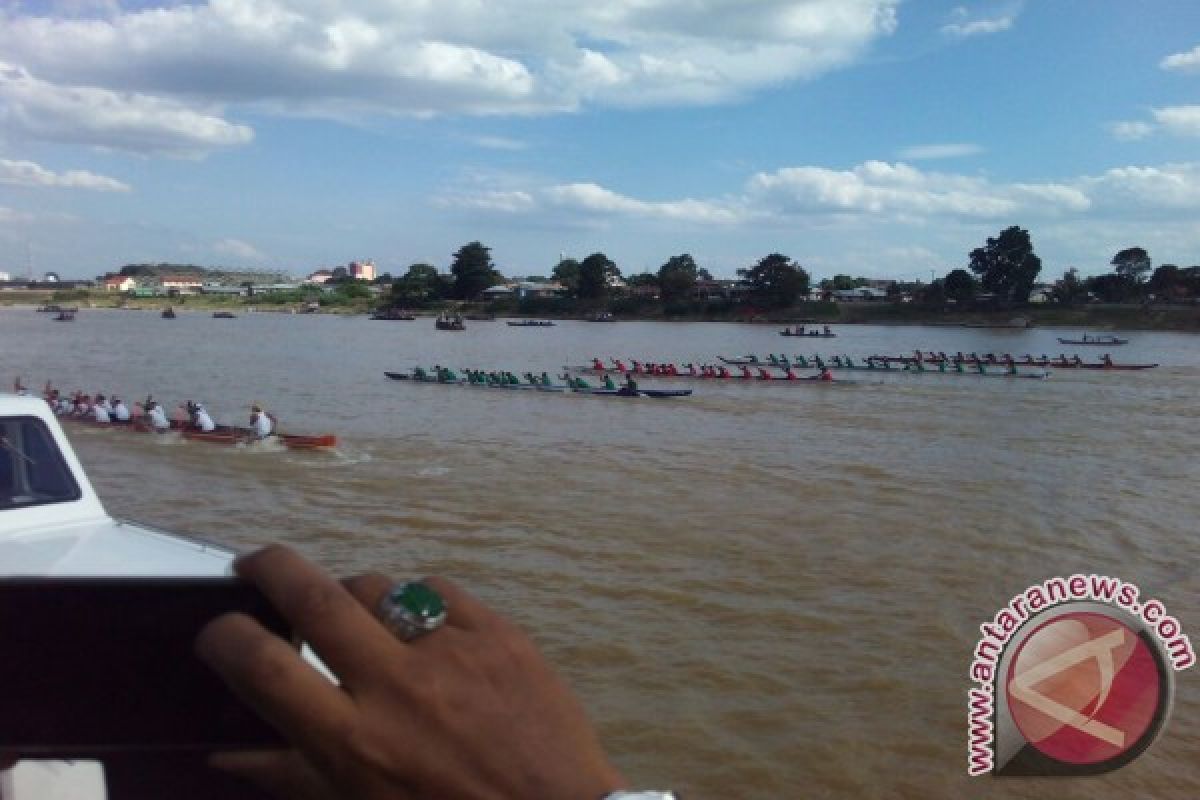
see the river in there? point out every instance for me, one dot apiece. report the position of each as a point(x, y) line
point(761, 591)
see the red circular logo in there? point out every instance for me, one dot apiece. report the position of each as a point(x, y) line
point(1084, 688)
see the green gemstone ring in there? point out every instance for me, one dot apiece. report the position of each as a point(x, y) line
point(411, 610)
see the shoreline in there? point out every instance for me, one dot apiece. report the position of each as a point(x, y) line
point(1178, 318)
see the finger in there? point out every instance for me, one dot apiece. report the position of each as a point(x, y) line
point(371, 588)
point(272, 678)
point(347, 638)
point(283, 773)
point(465, 611)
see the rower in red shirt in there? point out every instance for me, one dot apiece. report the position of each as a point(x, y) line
point(788, 374)
point(723, 373)
point(825, 375)
point(597, 364)
point(746, 374)
point(763, 375)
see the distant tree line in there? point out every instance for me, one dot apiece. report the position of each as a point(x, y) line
point(1003, 273)
point(597, 283)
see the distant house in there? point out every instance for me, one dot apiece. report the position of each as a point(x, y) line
point(5, 277)
point(183, 284)
point(119, 283)
point(528, 289)
point(498, 291)
point(362, 270)
point(228, 291)
point(724, 289)
point(51, 277)
point(863, 294)
point(321, 276)
point(649, 291)
point(1041, 295)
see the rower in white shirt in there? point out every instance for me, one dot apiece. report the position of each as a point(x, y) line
point(120, 412)
point(157, 417)
point(100, 410)
point(201, 420)
point(261, 422)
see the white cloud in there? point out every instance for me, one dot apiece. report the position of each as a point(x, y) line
point(1131, 131)
point(452, 56)
point(880, 188)
point(1183, 62)
point(9, 216)
point(929, 152)
point(497, 143)
point(27, 173)
point(508, 202)
point(594, 199)
point(1134, 190)
point(1179, 120)
point(121, 121)
point(236, 248)
point(963, 25)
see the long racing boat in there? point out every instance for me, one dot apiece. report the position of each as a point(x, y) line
point(224, 434)
point(538, 387)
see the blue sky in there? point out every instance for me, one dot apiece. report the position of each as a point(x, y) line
point(870, 137)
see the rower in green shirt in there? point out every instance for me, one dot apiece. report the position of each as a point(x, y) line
point(419, 374)
point(608, 382)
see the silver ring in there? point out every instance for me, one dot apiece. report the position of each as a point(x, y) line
point(411, 610)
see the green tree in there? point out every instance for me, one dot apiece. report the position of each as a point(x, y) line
point(1007, 265)
point(593, 276)
point(677, 277)
point(566, 272)
point(960, 286)
point(1166, 282)
point(473, 270)
point(1132, 263)
point(353, 290)
point(776, 281)
point(420, 286)
point(934, 294)
point(1070, 290)
point(1113, 288)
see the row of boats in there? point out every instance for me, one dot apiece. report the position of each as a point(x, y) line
point(504, 380)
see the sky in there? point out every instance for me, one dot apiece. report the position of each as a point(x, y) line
point(881, 138)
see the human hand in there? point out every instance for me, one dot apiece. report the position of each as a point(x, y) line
point(471, 710)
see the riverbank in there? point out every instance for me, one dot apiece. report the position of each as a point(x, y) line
point(1096, 316)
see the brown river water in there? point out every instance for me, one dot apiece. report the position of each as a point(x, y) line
point(761, 591)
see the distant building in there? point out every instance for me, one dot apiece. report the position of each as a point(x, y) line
point(4, 276)
point(362, 270)
point(184, 284)
point(863, 294)
point(526, 289)
point(1041, 295)
point(321, 276)
point(230, 291)
point(720, 289)
point(119, 283)
point(51, 277)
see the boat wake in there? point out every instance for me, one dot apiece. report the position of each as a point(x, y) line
point(337, 456)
